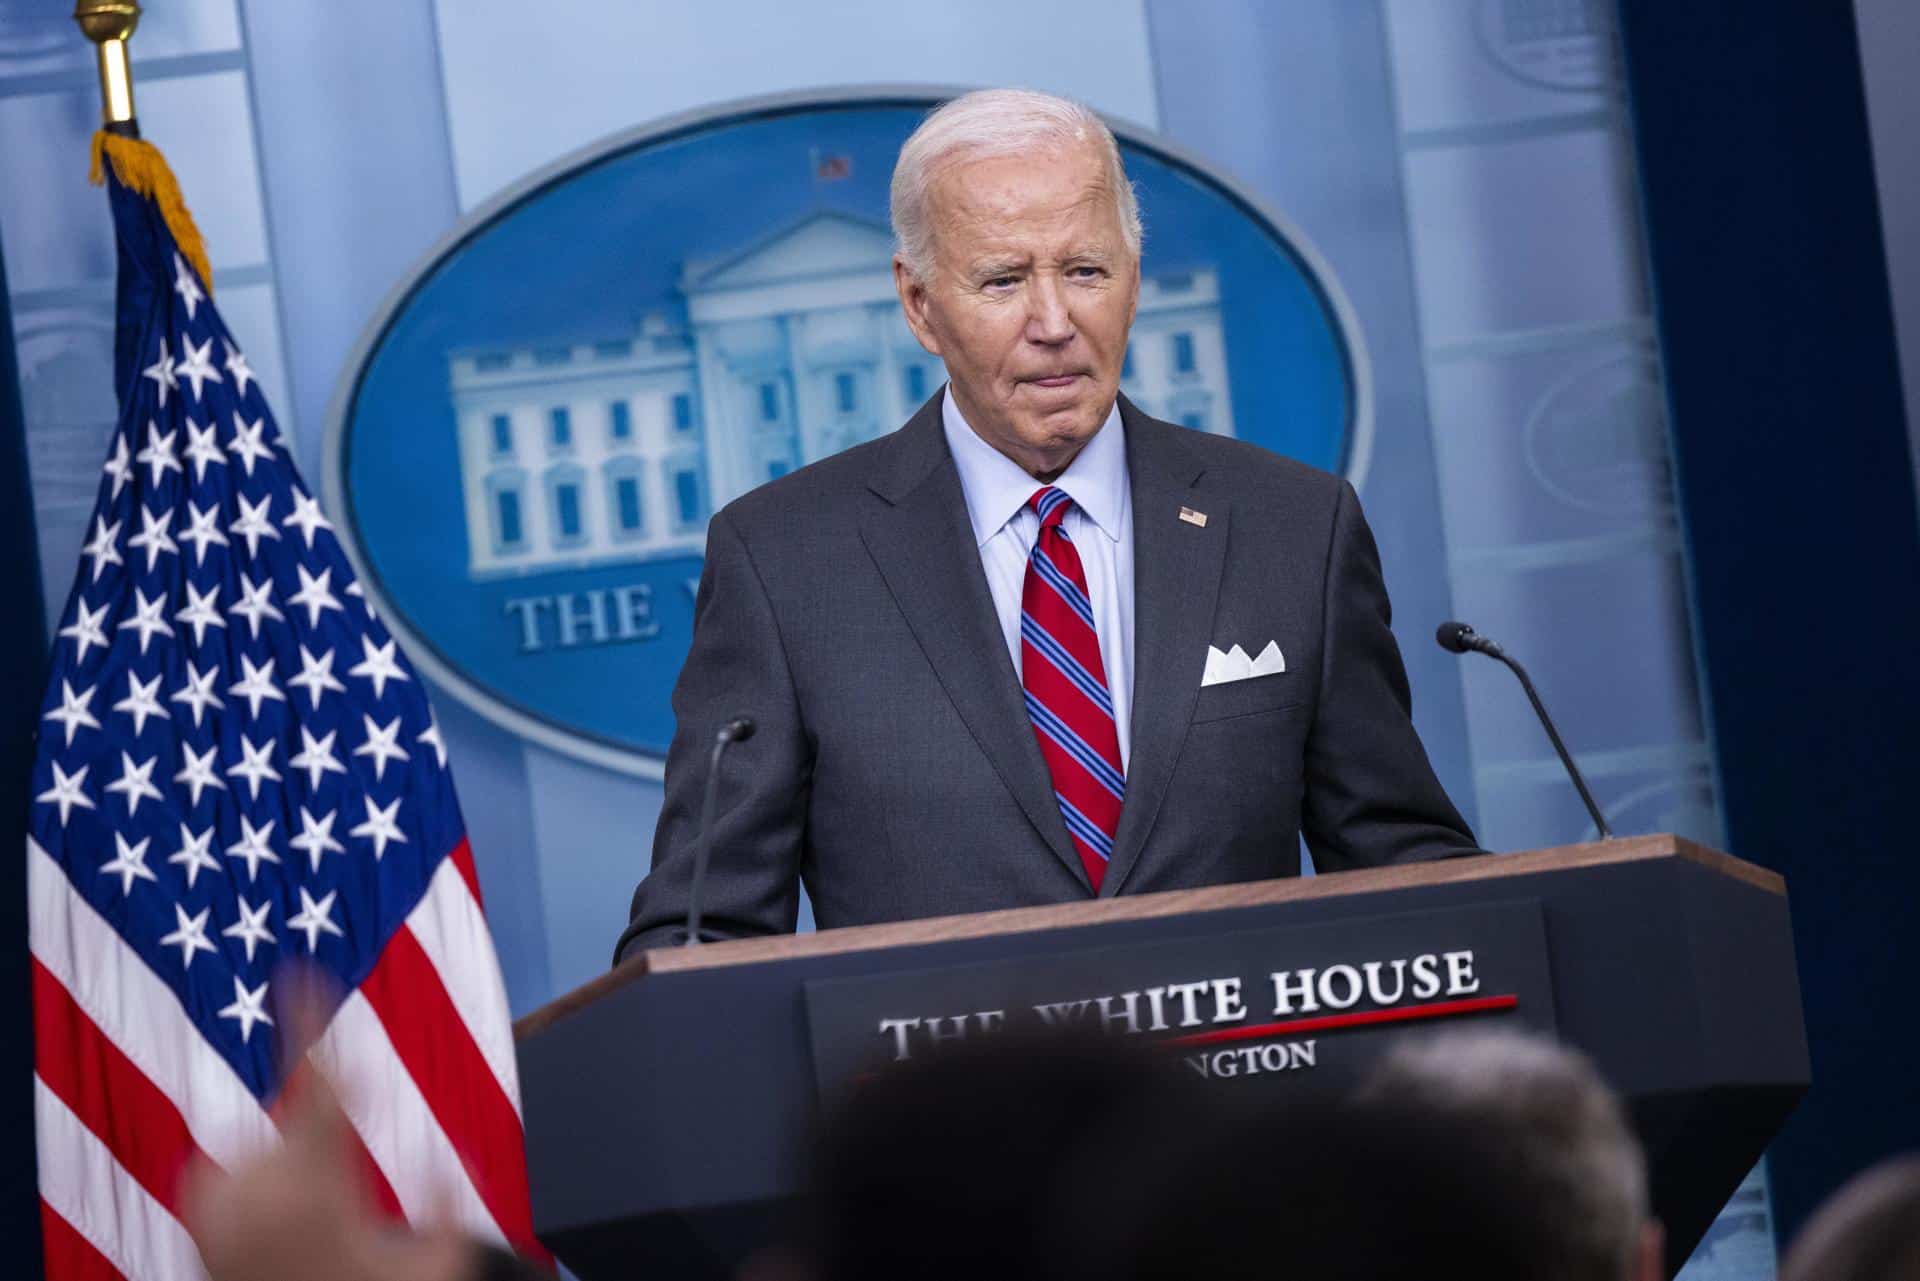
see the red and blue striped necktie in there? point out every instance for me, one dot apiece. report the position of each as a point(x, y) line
point(1066, 685)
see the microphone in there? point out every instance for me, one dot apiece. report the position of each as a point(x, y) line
point(1458, 638)
point(737, 730)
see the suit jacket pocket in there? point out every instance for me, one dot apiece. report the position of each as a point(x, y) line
point(1245, 697)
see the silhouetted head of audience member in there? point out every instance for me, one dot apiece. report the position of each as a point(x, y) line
point(1868, 1231)
point(959, 1166)
point(1488, 1156)
point(1567, 1132)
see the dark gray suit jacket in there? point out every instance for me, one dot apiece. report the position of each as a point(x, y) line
point(845, 610)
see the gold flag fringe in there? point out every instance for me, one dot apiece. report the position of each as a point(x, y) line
point(140, 167)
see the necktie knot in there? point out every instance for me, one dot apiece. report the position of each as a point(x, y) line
point(1051, 504)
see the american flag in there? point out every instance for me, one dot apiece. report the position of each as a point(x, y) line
point(237, 766)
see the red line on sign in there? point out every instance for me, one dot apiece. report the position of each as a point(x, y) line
point(1361, 1018)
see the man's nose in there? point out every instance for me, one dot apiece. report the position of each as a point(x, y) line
point(1049, 321)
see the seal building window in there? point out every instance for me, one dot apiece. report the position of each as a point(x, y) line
point(689, 497)
point(620, 420)
point(560, 427)
point(682, 412)
point(1183, 353)
point(502, 436)
point(566, 503)
point(844, 393)
point(506, 511)
point(624, 505)
point(770, 402)
point(916, 384)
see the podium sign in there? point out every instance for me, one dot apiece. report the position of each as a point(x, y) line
point(1280, 1003)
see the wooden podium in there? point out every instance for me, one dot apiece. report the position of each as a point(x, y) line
point(666, 1101)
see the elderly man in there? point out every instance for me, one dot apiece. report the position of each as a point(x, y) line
point(977, 650)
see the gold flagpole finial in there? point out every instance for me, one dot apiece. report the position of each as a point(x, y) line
point(109, 24)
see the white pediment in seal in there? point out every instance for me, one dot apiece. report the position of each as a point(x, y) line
point(822, 244)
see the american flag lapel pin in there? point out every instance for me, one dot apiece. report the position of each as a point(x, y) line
point(1193, 517)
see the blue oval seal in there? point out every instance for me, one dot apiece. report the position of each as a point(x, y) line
point(528, 442)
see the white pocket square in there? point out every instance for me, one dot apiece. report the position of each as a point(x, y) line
point(1234, 665)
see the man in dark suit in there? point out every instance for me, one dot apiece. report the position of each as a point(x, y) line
point(1035, 646)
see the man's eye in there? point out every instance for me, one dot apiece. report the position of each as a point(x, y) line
point(1000, 282)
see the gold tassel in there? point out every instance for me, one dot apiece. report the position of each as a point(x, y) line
point(141, 168)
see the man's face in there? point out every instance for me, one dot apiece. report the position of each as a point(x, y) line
point(1030, 298)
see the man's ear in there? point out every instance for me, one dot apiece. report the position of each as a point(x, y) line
point(913, 302)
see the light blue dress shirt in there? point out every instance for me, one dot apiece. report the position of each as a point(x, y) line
point(1100, 525)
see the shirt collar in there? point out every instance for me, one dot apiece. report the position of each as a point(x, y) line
point(996, 488)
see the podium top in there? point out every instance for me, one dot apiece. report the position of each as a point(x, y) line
point(1020, 920)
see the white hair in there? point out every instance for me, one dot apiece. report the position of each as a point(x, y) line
point(1579, 1147)
point(995, 122)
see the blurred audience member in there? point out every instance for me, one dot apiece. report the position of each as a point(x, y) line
point(1868, 1231)
point(300, 1212)
point(1569, 1131)
point(957, 1166)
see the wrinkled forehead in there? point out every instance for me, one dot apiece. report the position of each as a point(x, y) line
point(1007, 192)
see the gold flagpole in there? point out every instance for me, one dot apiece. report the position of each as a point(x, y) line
point(139, 166)
point(109, 24)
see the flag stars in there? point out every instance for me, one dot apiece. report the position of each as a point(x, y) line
point(202, 611)
point(379, 665)
point(75, 710)
point(248, 1008)
point(381, 826)
point(197, 774)
point(119, 466)
point(103, 550)
point(255, 846)
point(251, 929)
point(161, 371)
point(129, 864)
point(257, 686)
point(202, 530)
point(141, 702)
point(146, 617)
point(381, 744)
point(316, 836)
point(85, 630)
point(254, 523)
point(306, 517)
point(256, 766)
point(315, 594)
point(66, 791)
point(315, 919)
point(237, 367)
point(203, 449)
point(195, 855)
point(256, 603)
point(316, 757)
point(198, 368)
point(159, 455)
point(153, 536)
point(189, 935)
point(431, 737)
point(316, 677)
point(187, 285)
point(198, 694)
point(135, 781)
point(246, 444)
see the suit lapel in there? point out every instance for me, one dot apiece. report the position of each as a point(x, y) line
point(922, 541)
point(1176, 584)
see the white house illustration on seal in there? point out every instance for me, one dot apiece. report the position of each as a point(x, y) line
point(590, 453)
